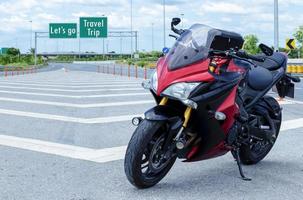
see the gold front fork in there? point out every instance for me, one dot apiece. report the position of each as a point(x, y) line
point(163, 102)
point(187, 112)
point(187, 115)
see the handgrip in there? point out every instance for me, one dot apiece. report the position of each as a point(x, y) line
point(243, 54)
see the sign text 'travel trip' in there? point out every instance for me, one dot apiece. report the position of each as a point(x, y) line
point(93, 27)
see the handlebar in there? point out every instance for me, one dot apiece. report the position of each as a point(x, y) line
point(237, 54)
point(243, 54)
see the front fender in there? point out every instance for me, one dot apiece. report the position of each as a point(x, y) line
point(164, 113)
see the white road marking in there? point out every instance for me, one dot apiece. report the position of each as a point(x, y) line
point(74, 96)
point(95, 105)
point(68, 85)
point(88, 154)
point(66, 90)
point(99, 120)
point(289, 101)
point(285, 102)
point(292, 124)
point(81, 153)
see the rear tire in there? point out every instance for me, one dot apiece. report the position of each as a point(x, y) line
point(249, 156)
point(143, 149)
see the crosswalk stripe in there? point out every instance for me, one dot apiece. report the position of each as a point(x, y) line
point(292, 124)
point(69, 85)
point(81, 153)
point(88, 154)
point(74, 90)
point(74, 96)
point(99, 120)
point(95, 105)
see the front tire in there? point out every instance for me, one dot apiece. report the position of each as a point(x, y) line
point(146, 163)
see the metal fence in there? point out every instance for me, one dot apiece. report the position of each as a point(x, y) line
point(125, 70)
point(15, 71)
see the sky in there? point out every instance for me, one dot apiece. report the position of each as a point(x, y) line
point(19, 17)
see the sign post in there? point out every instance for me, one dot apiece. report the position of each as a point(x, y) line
point(62, 30)
point(93, 27)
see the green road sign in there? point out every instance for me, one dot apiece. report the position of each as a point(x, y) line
point(93, 27)
point(4, 50)
point(62, 30)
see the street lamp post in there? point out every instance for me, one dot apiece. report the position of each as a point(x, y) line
point(103, 47)
point(36, 46)
point(164, 24)
point(131, 27)
point(182, 20)
point(276, 22)
point(152, 36)
point(31, 35)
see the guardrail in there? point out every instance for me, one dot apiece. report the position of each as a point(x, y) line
point(15, 71)
point(145, 72)
point(295, 69)
point(125, 70)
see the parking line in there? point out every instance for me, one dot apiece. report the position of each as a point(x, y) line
point(289, 102)
point(95, 105)
point(65, 90)
point(292, 124)
point(95, 155)
point(67, 86)
point(88, 154)
point(74, 96)
point(100, 120)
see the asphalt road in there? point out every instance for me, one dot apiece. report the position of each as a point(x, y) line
point(63, 136)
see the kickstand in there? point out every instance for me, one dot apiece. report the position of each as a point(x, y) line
point(236, 153)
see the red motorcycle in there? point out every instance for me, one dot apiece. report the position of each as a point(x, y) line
point(211, 99)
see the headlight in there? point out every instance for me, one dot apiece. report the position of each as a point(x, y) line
point(182, 91)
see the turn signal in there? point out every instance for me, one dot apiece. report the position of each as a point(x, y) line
point(136, 121)
point(220, 116)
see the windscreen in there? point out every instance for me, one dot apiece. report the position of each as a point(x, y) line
point(190, 47)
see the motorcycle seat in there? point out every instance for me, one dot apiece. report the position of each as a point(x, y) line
point(259, 78)
point(274, 62)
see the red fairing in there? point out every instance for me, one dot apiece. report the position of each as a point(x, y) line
point(230, 109)
point(197, 72)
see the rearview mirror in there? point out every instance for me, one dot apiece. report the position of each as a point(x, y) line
point(266, 49)
point(175, 21)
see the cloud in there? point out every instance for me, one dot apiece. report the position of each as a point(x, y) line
point(236, 15)
point(224, 7)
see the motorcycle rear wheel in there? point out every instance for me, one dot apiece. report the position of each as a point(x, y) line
point(252, 154)
point(146, 163)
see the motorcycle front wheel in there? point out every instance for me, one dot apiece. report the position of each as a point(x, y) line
point(146, 161)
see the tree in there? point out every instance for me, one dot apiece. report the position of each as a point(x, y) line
point(299, 35)
point(142, 63)
point(251, 44)
point(32, 51)
point(13, 52)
